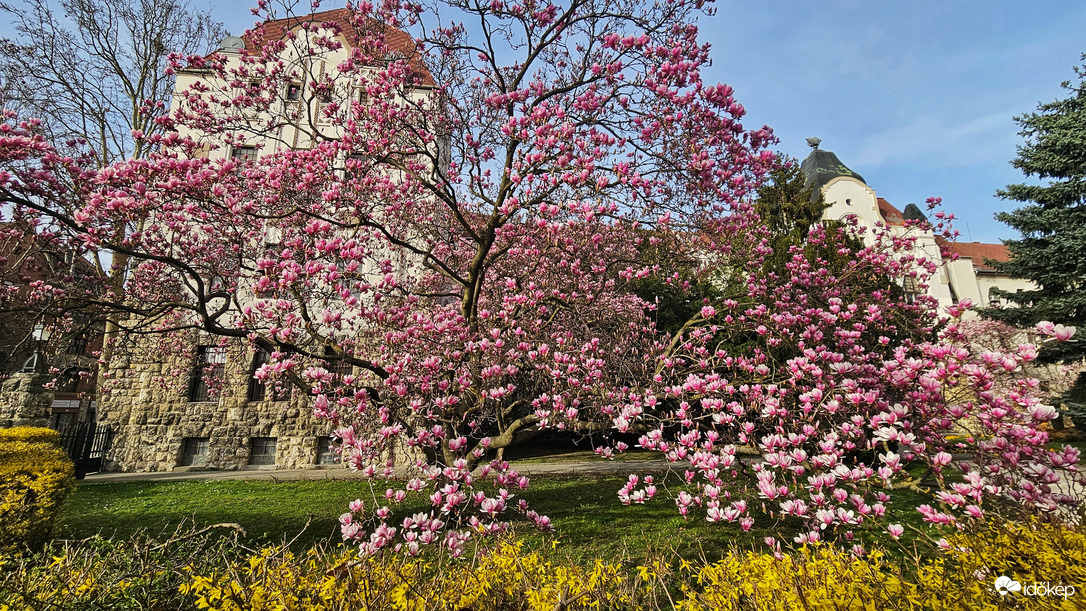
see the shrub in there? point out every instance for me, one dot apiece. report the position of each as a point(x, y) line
point(1026, 552)
point(35, 477)
point(817, 577)
point(195, 570)
point(505, 577)
point(138, 573)
point(961, 577)
point(812, 578)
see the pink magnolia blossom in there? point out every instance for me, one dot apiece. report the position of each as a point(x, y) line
point(1062, 333)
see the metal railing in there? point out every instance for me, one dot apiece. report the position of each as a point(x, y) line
point(86, 444)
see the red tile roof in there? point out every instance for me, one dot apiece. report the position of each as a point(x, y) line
point(396, 39)
point(890, 214)
point(977, 252)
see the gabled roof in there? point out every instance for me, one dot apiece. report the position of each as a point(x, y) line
point(977, 252)
point(397, 40)
point(890, 214)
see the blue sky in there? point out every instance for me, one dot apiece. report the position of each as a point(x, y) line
point(917, 97)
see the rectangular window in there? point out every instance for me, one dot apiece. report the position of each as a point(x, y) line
point(258, 389)
point(911, 289)
point(326, 451)
point(354, 165)
point(294, 92)
point(194, 452)
point(207, 373)
point(243, 154)
point(262, 451)
point(336, 366)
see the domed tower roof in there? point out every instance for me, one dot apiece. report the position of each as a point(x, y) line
point(820, 167)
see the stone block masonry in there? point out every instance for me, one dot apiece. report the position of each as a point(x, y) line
point(24, 401)
point(158, 426)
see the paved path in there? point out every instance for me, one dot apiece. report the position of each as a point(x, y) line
point(593, 467)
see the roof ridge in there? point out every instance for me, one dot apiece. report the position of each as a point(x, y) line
point(395, 38)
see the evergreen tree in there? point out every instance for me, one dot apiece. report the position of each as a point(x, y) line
point(788, 208)
point(1052, 249)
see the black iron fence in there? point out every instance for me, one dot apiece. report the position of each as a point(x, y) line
point(86, 444)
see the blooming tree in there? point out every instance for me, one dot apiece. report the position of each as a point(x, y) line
point(818, 394)
point(462, 217)
point(92, 74)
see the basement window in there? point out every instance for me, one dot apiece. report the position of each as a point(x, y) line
point(194, 452)
point(262, 451)
point(326, 451)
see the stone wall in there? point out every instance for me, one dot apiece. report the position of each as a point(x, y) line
point(148, 408)
point(24, 400)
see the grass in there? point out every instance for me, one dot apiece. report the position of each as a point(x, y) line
point(269, 511)
point(590, 521)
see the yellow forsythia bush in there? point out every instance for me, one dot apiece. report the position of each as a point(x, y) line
point(140, 573)
point(813, 578)
point(506, 577)
point(35, 477)
point(961, 578)
point(1044, 559)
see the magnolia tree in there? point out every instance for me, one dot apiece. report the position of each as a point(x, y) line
point(819, 393)
point(465, 208)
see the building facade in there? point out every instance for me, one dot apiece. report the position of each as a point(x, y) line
point(964, 270)
point(47, 367)
point(204, 410)
point(197, 405)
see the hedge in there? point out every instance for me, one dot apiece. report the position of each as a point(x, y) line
point(35, 478)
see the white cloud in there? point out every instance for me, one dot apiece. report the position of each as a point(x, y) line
point(943, 141)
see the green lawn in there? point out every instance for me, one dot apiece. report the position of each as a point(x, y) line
point(590, 521)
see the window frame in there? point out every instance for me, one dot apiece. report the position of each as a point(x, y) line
point(327, 456)
point(252, 152)
point(197, 458)
point(258, 389)
point(208, 367)
point(263, 458)
point(293, 92)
